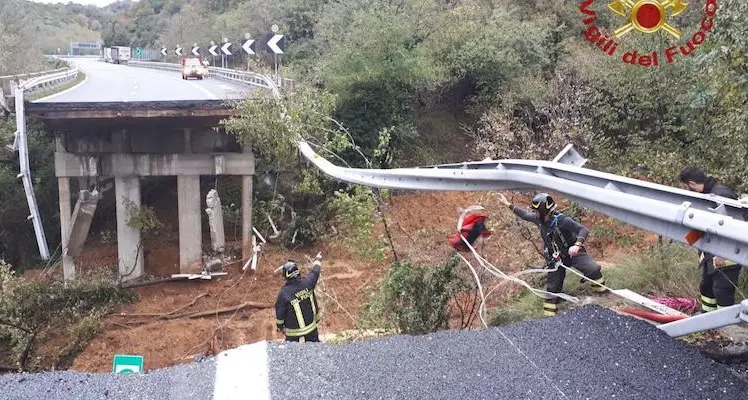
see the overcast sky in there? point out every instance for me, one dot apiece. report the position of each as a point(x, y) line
point(100, 3)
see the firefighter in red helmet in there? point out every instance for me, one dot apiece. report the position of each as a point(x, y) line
point(563, 239)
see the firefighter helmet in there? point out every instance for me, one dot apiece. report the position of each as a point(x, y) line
point(290, 269)
point(544, 204)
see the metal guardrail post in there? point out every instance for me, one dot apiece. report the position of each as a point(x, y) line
point(25, 175)
point(36, 81)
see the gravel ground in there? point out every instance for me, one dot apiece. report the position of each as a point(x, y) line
point(586, 353)
point(186, 381)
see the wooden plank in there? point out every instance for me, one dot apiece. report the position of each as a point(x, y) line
point(648, 303)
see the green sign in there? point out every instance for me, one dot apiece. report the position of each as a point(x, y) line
point(126, 364)
point(138, 51)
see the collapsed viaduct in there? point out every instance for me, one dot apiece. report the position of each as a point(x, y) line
point(127, 141)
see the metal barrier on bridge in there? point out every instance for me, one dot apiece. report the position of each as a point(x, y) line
point(33, 85)
point(255, 79)
point(668, 211)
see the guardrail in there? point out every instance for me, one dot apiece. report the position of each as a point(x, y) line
point(44, 82)
point(251, 78)
point(33, 85)
point(9, 83)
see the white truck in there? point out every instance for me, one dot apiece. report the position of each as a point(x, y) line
point(117, 54)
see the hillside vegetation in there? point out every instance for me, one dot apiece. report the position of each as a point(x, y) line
point(416, 82)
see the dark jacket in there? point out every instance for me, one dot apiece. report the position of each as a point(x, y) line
point(296, 307)
point(559, 233)
point(706, 260)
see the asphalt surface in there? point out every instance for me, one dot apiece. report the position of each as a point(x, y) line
point(586, 353)
point(107, 82)
point(187, 381)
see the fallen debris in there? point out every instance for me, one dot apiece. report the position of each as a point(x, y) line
point(246, 304)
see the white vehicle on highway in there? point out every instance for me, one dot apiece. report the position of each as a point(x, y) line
point(117, 54)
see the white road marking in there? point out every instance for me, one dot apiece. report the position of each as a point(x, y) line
point(242, 373)
point(63, 92)
point(200, 88)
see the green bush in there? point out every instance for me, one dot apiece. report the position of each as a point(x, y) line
point(31, 311)
point(415, 300)
point(667, 270)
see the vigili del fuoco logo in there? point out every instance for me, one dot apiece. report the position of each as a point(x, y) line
point(646, 17)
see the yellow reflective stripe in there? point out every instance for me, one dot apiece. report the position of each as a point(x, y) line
point(549, 313)
point(279, 321)
point(729, 263)
point(708, 300)
point(301, 331)
point(701, 257)
point(299, 315)
point(707, 308)
point(550, 306)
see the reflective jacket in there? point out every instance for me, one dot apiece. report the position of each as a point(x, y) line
point(296, 308)
point(559, 233)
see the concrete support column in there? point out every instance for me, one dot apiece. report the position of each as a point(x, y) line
point(247, 217)
point(68, 263)
point(247, 210)
point(129, 246)
point(190, 227)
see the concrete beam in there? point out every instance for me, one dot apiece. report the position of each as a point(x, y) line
point(120, 164)
point(190, 227)
point(68, 263)
point(129, 246)
point(83, 214)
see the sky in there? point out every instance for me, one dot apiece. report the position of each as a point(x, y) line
point(100, 3)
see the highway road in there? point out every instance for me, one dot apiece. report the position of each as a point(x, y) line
point(588, 353)
point(121, 83)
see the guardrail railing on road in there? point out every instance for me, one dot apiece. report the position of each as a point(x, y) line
point(9, 83)
point(260, 80)
point(20, 143)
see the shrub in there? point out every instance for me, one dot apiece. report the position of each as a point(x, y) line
point(31, 311)
point(416, 300)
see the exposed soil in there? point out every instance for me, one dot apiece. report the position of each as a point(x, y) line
point(420, 225)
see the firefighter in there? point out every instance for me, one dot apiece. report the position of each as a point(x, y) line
point(719, 277)
point(296, 309)
point(563, 240)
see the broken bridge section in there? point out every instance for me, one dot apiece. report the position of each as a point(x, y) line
point(127, 141)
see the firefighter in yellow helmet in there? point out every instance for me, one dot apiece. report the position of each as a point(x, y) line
point(563, 239)
point(296, 309)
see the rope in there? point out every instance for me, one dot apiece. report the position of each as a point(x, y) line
point(501, 275)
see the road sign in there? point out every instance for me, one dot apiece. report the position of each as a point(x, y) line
point(178, 51)
point(212, 50)
point(225, 48)
point(138, 51)
point(127, 364)
point(163, 51)
point(195, 49)
point(247, 46)
point(275, 43)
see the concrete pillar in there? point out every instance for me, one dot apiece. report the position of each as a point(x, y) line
point(247, 217)
point(68, 263)
point(129, 246)
point(190, 227)
point(81, 220)
point(215, 220)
